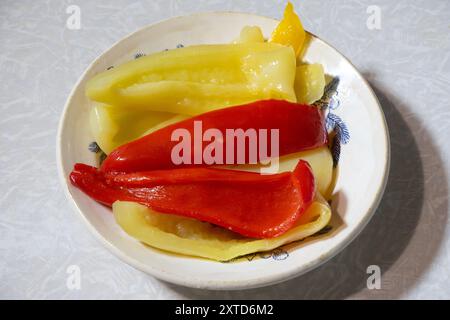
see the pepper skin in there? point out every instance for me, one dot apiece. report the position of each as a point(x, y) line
point(301, 127)
point(289, 31)
point(253, 205)
point(197, 79)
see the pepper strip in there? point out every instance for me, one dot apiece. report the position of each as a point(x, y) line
point(253, 205)
point(301, 127)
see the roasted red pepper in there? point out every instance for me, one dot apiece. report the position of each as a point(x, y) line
point(254, 205)
point(300, 127)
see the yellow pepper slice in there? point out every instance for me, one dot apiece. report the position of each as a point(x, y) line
point(289, 31)
point(309, 83)
point(195, 238)
point(112, 127)
point(250, 34)
point(319, 159)
point(321, 162)
point(197, 79)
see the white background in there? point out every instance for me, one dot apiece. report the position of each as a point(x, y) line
point(407, 62)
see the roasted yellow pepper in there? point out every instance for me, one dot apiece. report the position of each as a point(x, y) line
point(250, 34)
point(112, 127)
point(289, 31)
point(319, 159)
point(197, 79)
point(309, 83)
point(195, 238)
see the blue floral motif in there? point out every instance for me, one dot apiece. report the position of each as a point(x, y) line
point(101, 158)
point(279, 254)
point(328, 100)
point(94, 147)
point(334, 123)
point(323, 231)
point(178, 46)
point(336, 149)
point(334, 104)
point(139, 55)
point(250, 256)
point(265, 255)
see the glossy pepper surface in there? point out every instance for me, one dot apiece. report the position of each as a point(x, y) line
point(253, 205)
point(196, 79)
point(300, 127)
point(289, 31)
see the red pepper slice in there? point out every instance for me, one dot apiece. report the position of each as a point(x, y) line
point(253, 205)
point(301, 127)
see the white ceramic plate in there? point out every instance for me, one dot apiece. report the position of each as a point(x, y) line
point(363, 165)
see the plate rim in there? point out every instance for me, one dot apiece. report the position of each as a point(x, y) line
point(222, 284)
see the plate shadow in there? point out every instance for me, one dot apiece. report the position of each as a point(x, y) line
point(387, 236)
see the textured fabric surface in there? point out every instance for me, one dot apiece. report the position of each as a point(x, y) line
point(407, 62)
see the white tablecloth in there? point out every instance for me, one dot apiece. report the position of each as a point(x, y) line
point(407, 62)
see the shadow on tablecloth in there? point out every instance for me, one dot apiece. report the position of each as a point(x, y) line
point(394, 239)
